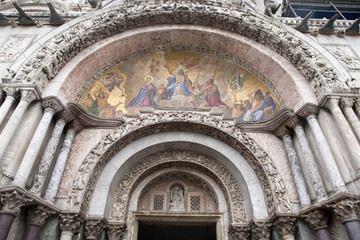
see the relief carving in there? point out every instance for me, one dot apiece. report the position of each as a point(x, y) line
point(223, 177)
point(317, 219)
point(69, 222)
point(261, 230)
point(13, 201)
point(116, 232)
point(345, 209)
point(239, 232)
point(286, 225)
point(38, 215)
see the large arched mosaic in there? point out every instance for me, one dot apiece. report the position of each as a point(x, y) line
point(42, 61)
point(177, 77)
point(83, 186)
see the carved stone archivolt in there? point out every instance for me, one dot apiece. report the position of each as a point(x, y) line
point(318, 66)
point(92, 166)
point(220, 174)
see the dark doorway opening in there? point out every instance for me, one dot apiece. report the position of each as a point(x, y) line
point(164, 232)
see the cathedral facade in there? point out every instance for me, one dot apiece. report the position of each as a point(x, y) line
point(178, 120)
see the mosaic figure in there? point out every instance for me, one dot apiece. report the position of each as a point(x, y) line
point(145, 97)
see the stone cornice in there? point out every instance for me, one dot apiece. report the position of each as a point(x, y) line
point(267, 125)
point(91, 121)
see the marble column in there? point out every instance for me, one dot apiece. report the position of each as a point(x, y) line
point(300, 184)
point(347, 212)
point(37, 140)
point(7, 104)
point(69, 223)
point(27, 96)
point(317, 219)
point(12, 202)
point(309, 158)
point(286, 227)
point(49, 153)
point(92, 229)
point(36, 218)
point(116, 232)
point(261, 230)
point(309, 112)
point(60, 164)
point(347, 107)
point(357, 107)
point(350, 140)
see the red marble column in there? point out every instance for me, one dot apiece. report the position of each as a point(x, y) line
point(32, 231)
point(6, 220)
point(352, 226)
point(322, 233)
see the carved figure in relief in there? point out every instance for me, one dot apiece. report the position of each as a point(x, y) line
point(177, 198)
point(271, 7)
point(145, 97)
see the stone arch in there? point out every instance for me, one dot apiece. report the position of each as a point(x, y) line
point(44, 59)
point(163, 160)
point(95, 162)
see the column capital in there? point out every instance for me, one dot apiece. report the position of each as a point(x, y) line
point(52, 103)
point(317, 219)
point(37, 215)
point(357, 102)
point(307, 110)
point(116, 231)
point(70, 222)
point(293, 122)
point(346, 209)
point(282, 131)
point(286, 225)
point(332, 103)
point(12, 91)
point(76, 125)
point(13, 201)
point(92, 229)
point(261, 230)
point(347, 102)
point(239, 232)
point(66, 115)
point(28, 95)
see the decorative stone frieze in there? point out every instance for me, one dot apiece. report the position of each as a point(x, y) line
point(69, 222)
point(93, 229)
point(93, 164)
point(239, 232)
point(346, 209)
point(286, 226)
point(115, 231)
point(13, 201)
point(261, 230)
point(38, 215)
point(317, 219)
point(57, 50)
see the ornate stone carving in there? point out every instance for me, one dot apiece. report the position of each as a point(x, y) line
point(51, 56)
point(116, 232)
point(345, 209)
point(239, 232)
point(69, 222)
point(53, 103)
point(317, 219)
point(261, 230)
point(13, 201)
point(286, 225)
point(346, 56)
point(93, 229)
point(307, 110)
point(282, 131)
point(347, 102)
point(28, 95)
point(37, 215)
point(293, 122)
point(220, 174)
point(12, 91)
point(147, 124)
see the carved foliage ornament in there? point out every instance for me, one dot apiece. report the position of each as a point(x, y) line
point(94, 163)
point(223, 177)
point(59, 49)
point(13, 201)
point(69, 222)
point(38, 215)
point(346, 209)
point(317, 219)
